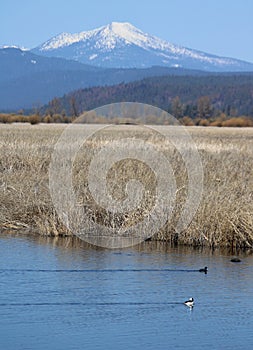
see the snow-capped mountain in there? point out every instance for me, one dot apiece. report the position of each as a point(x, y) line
point(125, 46)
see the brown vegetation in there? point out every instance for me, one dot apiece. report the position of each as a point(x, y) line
point(224, 217)
point(6, 118)
point(221, 120)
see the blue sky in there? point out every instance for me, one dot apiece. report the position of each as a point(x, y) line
point(222, 27)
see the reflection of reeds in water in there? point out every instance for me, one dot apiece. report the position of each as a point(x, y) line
point(224, 217)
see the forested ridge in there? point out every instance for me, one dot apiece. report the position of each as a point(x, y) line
point(192, 96)
point(217, 100)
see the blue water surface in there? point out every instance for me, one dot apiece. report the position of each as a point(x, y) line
point(63, 294)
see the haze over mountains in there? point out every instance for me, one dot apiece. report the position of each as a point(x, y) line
point(28, 80)
point(116, 53)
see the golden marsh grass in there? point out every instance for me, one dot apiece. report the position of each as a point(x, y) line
point(225, 214)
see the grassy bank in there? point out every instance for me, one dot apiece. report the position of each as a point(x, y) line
point(224, 217)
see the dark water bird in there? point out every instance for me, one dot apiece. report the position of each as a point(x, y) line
point(205, 269)
point(189, 302)
point(235, 260)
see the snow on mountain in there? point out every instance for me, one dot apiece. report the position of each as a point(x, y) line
point(125, 46)
point(14, 47)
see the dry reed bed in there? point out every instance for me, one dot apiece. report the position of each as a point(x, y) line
point(224, 217)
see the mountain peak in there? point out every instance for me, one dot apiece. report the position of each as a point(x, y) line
point(133, 35)
point(117, 26)
point(122, 28)
point(107, 38)
point(122, 45)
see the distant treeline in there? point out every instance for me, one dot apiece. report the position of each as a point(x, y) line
point(216, 100)
point(183, 96)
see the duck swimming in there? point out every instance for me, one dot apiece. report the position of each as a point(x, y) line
point(205, 269)
point(189, 302)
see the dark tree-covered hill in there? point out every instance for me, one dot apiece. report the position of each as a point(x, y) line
point(194, 96)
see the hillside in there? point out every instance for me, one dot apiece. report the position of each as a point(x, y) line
point(28, 80)
point(180, 95)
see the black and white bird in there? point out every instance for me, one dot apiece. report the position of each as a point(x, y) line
point(189, 302)
point(205, 269)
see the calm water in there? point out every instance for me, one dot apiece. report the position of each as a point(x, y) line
point(65, 295)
